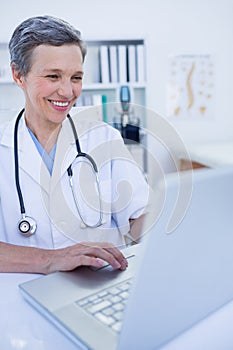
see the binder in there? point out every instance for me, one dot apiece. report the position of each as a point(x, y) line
point(140, 64)
point(97, 99)
point(87, 99)
point(104, 109)
point(104, 64)
point(113, 63)
point(132, 63)
point(91, 66)
point(98, 107)
point(122, 63)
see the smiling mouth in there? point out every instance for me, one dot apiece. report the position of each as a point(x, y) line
point(59, 103)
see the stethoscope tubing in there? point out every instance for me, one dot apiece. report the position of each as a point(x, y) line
point(70, 175)
point(16, 160)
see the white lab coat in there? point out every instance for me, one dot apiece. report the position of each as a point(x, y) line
point(49, 200)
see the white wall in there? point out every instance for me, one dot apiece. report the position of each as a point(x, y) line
point(169, 26)
point(194, 27)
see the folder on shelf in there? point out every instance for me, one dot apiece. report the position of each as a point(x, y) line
point(87, 100)
point(122, 63)
point(91, 102)
point(104, 64)
point(104, 109)
point(91, 66)
point(113, 63)
point(97, 99)
point(140, 64)
point(132, 63)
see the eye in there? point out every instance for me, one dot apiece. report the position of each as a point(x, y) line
point(77, 77)
point(52, 76)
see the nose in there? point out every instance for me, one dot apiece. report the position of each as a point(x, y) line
point(65, 89)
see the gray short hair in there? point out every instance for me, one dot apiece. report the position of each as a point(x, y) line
point(37, 31)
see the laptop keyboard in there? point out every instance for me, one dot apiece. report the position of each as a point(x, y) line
point(108, 305)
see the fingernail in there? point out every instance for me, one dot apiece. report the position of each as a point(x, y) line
point(117, 265)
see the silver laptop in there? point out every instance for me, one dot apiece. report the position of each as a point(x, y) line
point(175, 277)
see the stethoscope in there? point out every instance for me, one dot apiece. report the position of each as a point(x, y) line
point(27, 225)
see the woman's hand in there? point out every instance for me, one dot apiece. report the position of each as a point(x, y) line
point(15, 258)
point(86, 254)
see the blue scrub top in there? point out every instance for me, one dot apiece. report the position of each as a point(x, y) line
point(48, 158)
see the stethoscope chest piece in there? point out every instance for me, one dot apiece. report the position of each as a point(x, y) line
point(27, 226)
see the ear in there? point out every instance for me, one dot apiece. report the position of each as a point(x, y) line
point(18, 78)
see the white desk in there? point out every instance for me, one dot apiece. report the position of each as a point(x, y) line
point(212, 154)
point(23, 328)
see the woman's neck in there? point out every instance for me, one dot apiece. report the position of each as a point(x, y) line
point(46, 133)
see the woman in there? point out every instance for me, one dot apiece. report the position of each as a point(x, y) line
point(61, 227)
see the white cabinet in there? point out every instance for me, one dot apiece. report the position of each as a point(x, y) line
point(108, 66)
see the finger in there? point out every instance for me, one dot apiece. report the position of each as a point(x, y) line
point(118, 256)
point(99, 252)
point(86, 260)
point(112, 250)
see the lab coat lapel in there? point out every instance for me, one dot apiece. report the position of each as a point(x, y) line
point(65, 153)
point(32, 163)
point(30, 160)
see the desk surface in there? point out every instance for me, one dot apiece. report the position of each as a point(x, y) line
point(22, 327)
point(212, 154)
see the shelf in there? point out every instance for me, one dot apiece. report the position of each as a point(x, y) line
point(113, 86)
point(114, 41)
point(99, 86)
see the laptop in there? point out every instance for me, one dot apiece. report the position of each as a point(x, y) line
point(177, 275)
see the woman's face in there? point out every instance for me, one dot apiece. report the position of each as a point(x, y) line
point(54, 82)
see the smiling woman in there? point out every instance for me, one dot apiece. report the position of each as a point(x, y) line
point(47, 56)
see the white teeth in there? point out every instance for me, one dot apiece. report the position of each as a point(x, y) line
point(60, 104)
